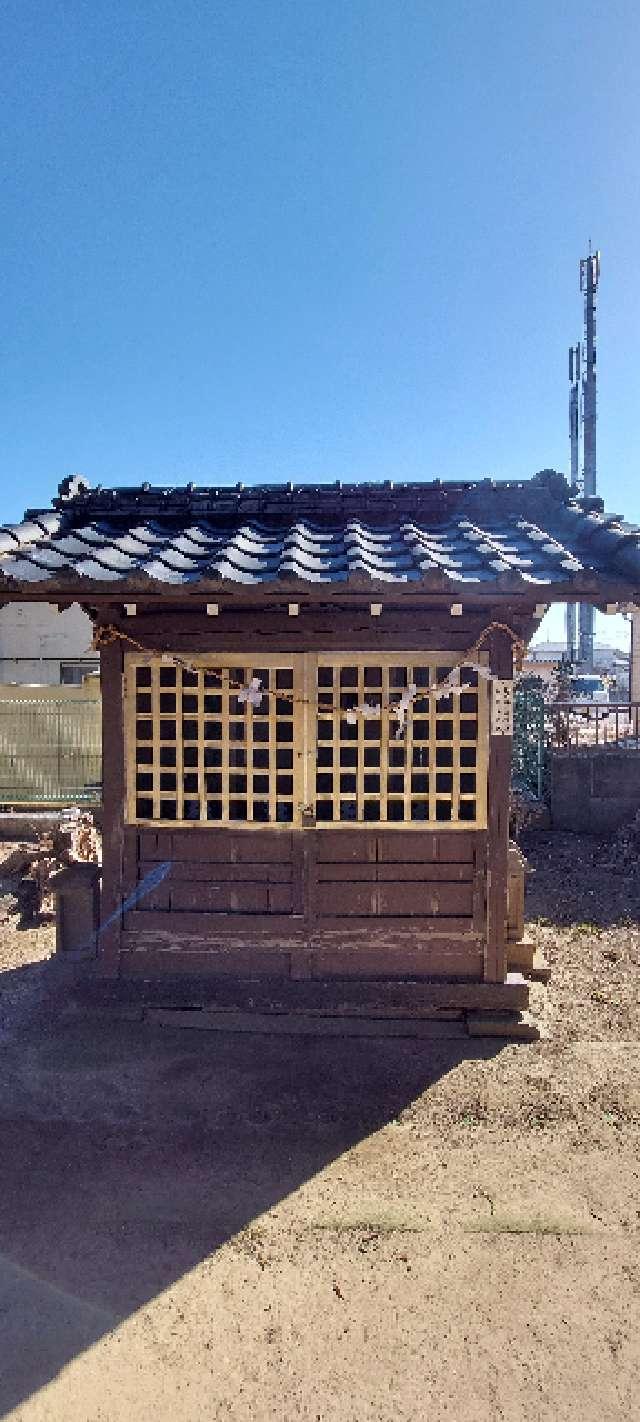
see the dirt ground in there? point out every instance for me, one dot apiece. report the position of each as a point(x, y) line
point(198, 1225)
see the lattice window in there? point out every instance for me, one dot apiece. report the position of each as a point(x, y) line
point(434, 772)
point(197, 753)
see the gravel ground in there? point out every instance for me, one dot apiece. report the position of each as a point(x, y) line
point(197, 1225)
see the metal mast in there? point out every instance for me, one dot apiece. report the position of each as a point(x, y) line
point(582, 415)
point(574, 437)
point(589, 275)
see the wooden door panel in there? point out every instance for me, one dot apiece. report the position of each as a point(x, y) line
point(221, 875)
point(424, 873)
point(348, 873)
point(343, 846)
point(220, 898)
point(424, 900)
point(345, 900)
point(191, 871)
point(423, 847)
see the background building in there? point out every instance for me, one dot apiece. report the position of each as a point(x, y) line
point(609, 660)
point(43, 647)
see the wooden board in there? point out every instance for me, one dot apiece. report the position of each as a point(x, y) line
point(396, 960)
point(293, 1024)
point(241, 926)
point(418, 900)
point(207, 871)
point(407, 873)
point(159, 962)
point(278, 993)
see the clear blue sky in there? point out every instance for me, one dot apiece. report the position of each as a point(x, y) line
point(313, 239)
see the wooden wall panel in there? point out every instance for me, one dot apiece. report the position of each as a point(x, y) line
point(219, 873)
point(222, 960)
point(344, 846)
point(280, 898)
point(376, 873)
point(393, 900)
point(426, 900)
point(455, 847)
point(242, 898)
point(225, 914)
point(352, 873)
point(223, 846)
point(345, 900)
point(131, 850)
point(155, 844)
point(423, 873)
point(408, 928)
point(147, 899)
point(406, 960)
point(206, 872)
point(207, 926)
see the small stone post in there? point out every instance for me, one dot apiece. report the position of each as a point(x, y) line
point(77, 893)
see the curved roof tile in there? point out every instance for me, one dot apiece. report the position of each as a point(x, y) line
point(469, 533)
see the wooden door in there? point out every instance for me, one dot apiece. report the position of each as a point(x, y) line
point(311, 829)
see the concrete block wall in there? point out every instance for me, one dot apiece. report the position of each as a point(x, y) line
point(594, 791)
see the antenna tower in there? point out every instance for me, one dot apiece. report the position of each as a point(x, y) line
point(582, 417)
point(574, 437)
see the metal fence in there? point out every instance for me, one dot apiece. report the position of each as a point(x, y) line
point(50, 748)
point(572, 725)
point(541, 727)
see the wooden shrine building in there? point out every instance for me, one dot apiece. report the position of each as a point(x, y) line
point(307, 699)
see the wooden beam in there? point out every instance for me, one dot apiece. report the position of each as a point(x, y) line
point(274, 631)
point(487, 597)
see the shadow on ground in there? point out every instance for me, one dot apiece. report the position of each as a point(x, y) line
point(131, 1152)
point(580, 879)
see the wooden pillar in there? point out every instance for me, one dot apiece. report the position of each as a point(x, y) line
point(113, 789)
point(634, 655)
point(499, 783)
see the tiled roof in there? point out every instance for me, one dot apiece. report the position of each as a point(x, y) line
point(472, 534)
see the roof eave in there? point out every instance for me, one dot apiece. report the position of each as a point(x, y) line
point(434, 584)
